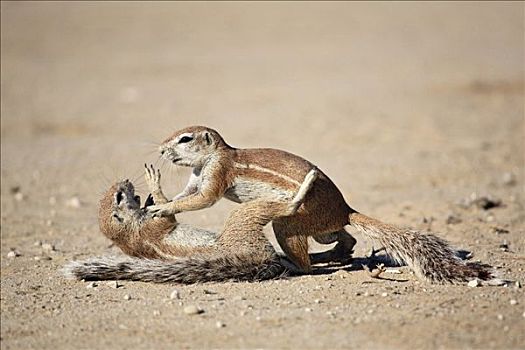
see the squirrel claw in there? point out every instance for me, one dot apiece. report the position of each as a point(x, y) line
point(152, 177)
point(160, 210)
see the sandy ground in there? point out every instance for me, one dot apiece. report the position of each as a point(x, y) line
point(410, 108)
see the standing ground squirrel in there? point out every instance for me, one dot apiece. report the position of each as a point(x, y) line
point(164, 250)
point(245, 175)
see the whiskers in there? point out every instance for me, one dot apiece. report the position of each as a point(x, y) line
point(172, 177)
point(152, 147)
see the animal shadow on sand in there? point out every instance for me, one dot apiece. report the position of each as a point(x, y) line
point(369, 263)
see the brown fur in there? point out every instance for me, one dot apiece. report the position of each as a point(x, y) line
point(241, 251)
point(324, 213)
point(138, 235)
point(134, 233)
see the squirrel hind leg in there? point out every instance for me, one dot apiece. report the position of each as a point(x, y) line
point(294, 246)
point(341, 253)
point(289, 266)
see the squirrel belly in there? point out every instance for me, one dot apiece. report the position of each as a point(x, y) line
point(240, 252)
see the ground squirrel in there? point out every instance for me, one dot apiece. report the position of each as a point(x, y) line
point(164, 250)
point(245, 175)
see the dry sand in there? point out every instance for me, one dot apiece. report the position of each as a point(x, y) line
point(409, 107)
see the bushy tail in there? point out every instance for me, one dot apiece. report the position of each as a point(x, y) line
point(430, 257)
point(183, 270)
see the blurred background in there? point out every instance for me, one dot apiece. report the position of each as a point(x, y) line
point(409, 107)
point(382, 96)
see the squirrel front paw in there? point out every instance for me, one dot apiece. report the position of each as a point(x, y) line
point(152, 177)
point(161, 210)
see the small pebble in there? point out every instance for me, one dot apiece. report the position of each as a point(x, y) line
point(37, 243)
point(317, 301)
point(113, 284)
point(482, 202)
point(513, 301)
point(19, 196)
point(192, 310)
point(517, 284)
point(127, 297)
point(48, 247)
point(499, 230)
point(453, 219)
point(497, 283)
point(91, 285)
point(487, 202)
point(12, 254)
point(220, 324)
point(74, 202)
point(156, 313)
point(385, 294)
point(500, 317)
point(42, 257)
point(426, 220)
point(474, 283)
point(175, 294)
point(341, 273)
point(308, 309)
point(508, 179)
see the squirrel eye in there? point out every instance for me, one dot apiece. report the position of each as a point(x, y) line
point(185, 139)
point(119, 197)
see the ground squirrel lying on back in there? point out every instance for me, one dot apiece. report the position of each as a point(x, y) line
point(167, 251)
point(246, 175)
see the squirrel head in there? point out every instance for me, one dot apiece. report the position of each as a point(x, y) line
point(192, 146)
point(119, 209)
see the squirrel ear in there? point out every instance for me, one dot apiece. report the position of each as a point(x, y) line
point(208, 138)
